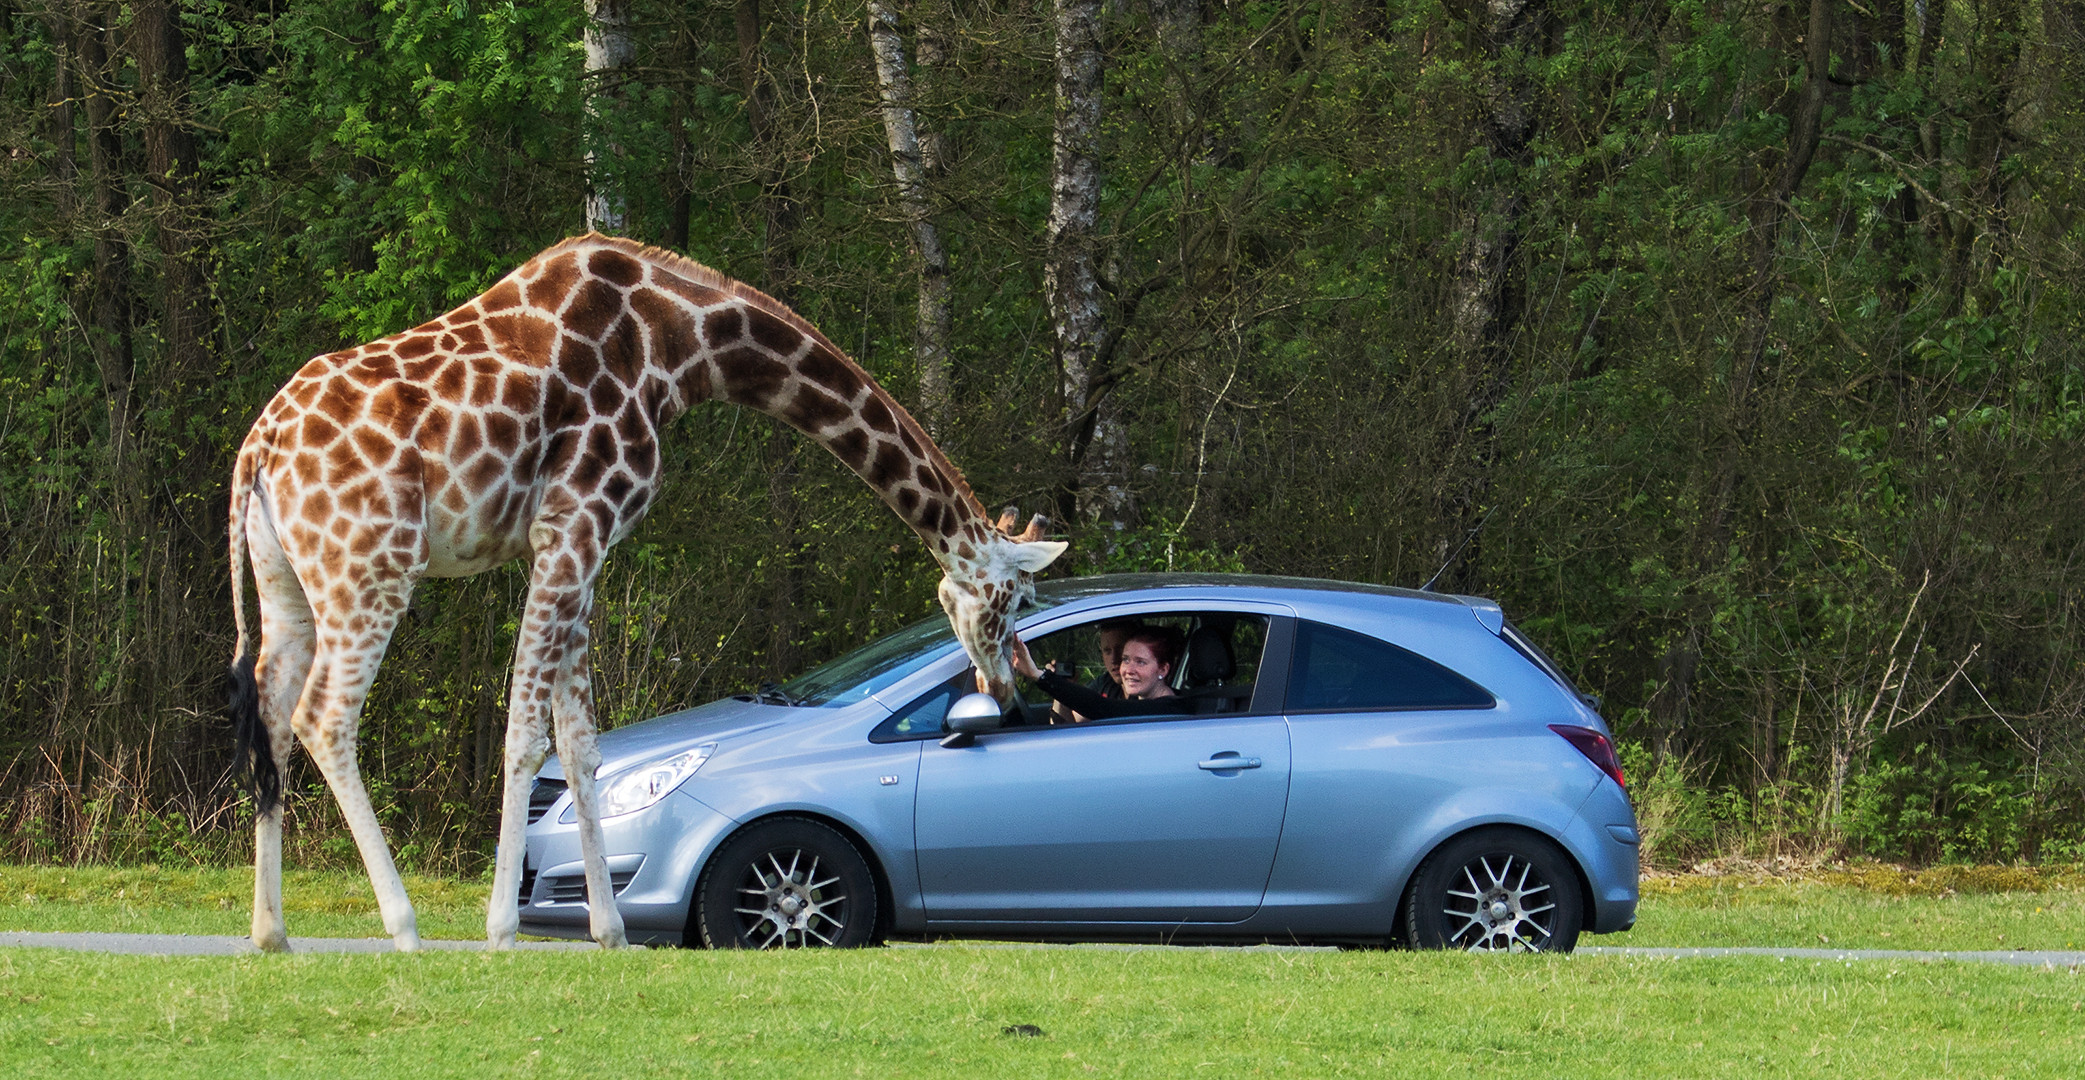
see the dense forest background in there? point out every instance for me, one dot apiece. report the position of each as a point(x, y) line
point(1734, 346)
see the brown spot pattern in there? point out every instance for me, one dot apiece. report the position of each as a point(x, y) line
point(616, 267)
point(772, 334)
point(593, 309)
point(524, 338)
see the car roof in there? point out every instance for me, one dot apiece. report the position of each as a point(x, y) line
point(1064, 590)
point(1069, 590)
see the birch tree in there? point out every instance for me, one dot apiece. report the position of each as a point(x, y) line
point(608, 54)
point(908, 165)
point(1097, 446)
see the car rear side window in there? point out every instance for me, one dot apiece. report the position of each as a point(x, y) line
point(1339, 669)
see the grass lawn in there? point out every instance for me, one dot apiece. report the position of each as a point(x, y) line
point(154, 900)
point(1871, 909)
point(945, 1011)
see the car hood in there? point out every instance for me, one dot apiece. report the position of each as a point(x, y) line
point(663, 735)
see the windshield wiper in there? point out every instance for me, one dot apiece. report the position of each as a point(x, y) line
point(770, 694)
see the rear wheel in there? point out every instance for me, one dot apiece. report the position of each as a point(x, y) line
point(790, 883)
point(1495, 890)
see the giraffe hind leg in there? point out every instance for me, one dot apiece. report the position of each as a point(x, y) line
point(280, 671)
point(327, 720)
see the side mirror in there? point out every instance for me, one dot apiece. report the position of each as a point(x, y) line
point(971, 715)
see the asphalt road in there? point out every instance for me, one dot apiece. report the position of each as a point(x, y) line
point(225, 945)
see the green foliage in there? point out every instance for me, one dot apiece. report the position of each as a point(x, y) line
point(1926, 805)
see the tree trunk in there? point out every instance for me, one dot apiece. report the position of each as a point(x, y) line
point(608, 55)
point(678, 176)
point(1486, 299)
point(1179, 26)
point(1097, 445)
point(171, 167)
point(1677, 667)
point(901, 124)
point(785, 509)
point(1997, 48)
point(61, 125)
point(777, 246)
point(109, 301)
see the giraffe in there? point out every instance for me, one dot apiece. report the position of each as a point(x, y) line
point(525, 423)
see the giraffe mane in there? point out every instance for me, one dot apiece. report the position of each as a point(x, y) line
point(703, 275)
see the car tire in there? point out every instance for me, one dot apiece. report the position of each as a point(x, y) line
point(789, 883)
point(1495, 890)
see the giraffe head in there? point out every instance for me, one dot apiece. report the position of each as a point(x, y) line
point(982, 593)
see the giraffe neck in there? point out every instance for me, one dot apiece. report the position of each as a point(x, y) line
point(683, 333)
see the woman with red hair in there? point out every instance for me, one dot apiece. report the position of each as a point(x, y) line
point(1149, 656)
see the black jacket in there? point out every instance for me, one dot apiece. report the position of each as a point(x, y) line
point(1095, 707)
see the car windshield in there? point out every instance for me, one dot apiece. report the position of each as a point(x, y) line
point(872, 667)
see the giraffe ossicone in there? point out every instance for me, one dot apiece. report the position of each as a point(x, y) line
point(525, 423)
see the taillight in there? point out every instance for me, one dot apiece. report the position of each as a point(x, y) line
point(1596, 748)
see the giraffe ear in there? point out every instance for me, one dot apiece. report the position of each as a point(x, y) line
point(1035, 555)
point(1038, 527)
point(1008, 518)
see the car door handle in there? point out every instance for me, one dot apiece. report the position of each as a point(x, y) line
point(1227, 764)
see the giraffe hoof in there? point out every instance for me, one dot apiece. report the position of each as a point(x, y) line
point(271, 943)
point(407, 942)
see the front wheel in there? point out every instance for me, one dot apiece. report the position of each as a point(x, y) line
point(786, 884)
point(1495, 890)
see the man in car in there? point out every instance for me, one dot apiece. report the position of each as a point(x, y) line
point(1108, 684)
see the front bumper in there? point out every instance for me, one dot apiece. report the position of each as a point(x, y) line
point(653, 858)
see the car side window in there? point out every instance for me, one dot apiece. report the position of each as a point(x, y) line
point(1216, 672)
point(1338, 669)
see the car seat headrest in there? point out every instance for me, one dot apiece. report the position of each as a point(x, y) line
point(1209, 658)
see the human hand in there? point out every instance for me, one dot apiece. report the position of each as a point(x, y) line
point(1024, 665)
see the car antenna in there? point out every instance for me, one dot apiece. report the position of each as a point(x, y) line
point(1457, 553)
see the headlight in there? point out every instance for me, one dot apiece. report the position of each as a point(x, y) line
point(634, 789)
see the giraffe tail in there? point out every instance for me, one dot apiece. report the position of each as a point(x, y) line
point(256, 756)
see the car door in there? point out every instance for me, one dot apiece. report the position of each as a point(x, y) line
point(1131, 820)
point(1155, 820)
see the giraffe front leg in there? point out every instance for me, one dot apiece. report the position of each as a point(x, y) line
point(562, 591)
point(576, 750)
point(552, 685)
point(572, 708)
point(528, 743)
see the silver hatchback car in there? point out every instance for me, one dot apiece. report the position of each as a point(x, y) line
point(1355, 764)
